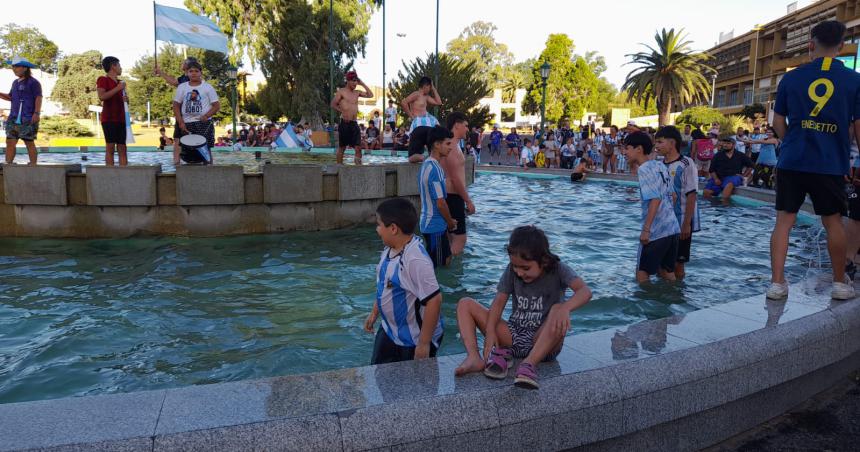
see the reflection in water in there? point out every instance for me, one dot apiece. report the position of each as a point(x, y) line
point(650, 335)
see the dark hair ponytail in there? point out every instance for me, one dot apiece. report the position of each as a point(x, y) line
point(530, 243)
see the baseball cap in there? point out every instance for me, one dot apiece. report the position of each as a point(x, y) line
point(631, 123)
point(351, 75)
point(19, 61)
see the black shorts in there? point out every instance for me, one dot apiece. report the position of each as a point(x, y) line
point(576, 177)
point(386, 351)
point(348, 133)
point(660, 254)
point(114, 132)
point(177, 132)
point(684, 249)
point(418, 140)
point(826, 191)
point(853, 202)
point(438, 247)
point(457, 207)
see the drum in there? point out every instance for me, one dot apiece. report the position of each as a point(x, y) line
point(194, 149)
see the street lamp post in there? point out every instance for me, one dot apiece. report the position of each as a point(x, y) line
point(544, 74)
point(713, 88)
point(232, 73)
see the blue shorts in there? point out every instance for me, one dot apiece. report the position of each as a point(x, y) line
point(736, 180)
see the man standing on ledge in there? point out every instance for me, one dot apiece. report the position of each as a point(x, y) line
point(415, 105)
point(454, 165)
point(821, 101)
point(345, 102)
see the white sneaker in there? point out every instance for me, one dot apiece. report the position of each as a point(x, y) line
point(777, 291)
point(842, 291)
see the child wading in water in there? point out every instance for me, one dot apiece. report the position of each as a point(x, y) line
point(540, 318)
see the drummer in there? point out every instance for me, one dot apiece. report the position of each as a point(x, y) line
point(194, 105)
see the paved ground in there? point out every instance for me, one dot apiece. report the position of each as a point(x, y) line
point(828, 422)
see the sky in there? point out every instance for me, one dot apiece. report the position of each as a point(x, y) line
point(124, 29)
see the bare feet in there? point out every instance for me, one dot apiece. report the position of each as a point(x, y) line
point(469, 365)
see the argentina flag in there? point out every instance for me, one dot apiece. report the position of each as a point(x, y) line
point(180, 26)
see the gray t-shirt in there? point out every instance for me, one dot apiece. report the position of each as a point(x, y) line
point(533, 300)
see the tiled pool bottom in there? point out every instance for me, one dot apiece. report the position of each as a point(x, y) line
point(245, 158)
point(87, 317)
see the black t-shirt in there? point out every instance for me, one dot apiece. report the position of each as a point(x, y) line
point(725, 166)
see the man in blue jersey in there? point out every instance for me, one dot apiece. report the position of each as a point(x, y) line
point(436, 219)
point(407, 293)
point(816, 104)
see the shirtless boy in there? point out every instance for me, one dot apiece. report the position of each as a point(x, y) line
point(345, 102)
point(458, 198)
point(415, 105)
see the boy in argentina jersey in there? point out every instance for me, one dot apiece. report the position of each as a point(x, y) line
point(684, 182)
point(816, 104)
point(407, 294)
point(658, 249)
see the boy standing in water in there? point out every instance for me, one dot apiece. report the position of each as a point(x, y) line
point(436, 219)
point(458, 198)
point(658, 249)
point(684, 182)
point(415, 105)
point(345, 102)
point(407, 293)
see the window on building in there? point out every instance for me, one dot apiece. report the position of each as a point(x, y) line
point(721, 98)
point(508, 114)
point(748, 95)
point(733, 98)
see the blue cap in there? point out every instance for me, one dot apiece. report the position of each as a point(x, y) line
point(19, 61)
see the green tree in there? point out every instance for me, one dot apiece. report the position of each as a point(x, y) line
point(76, 82)
point(289, 39)
point(27, 42)
point(699, 116)
point(754, 111)
point(572, 86)
point(459, 87)
point(671, 74)
point(476, 44)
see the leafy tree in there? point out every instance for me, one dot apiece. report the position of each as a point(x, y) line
point(636, 108)
point(699, 116)
point(289, 39)
point(754, 111)
point(476, 44)
point(730, 123)
point(510, 86)
point(572, 86)
point(459, 87)
point(76, 82)
point(606, 95)
point(671, 74)
point(29, 43)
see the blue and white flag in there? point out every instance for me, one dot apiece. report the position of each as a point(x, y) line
point(288, 138)
point(181, 26)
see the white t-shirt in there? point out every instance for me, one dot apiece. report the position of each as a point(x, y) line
point(195, 100)
point(527, 155)
point(391, 114)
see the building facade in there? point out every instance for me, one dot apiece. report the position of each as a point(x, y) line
point(750, 66)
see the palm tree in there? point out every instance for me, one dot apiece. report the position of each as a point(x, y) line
point(510, 86)
point(671, 74)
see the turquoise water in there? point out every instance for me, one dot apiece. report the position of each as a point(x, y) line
point(245, 158)
point(97, 316)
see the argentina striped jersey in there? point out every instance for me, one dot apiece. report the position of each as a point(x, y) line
point(431, 186)
point(425, 120)
point(405, 283)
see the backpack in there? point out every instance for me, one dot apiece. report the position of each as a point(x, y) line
point(704, 149)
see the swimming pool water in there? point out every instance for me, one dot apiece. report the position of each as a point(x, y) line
point(97, 316)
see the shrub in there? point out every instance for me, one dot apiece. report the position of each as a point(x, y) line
point(63, 126)
point(699, 116)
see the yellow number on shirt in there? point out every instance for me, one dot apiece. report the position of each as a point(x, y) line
point(820, 101)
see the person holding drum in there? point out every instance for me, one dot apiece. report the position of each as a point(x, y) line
point(194, 105)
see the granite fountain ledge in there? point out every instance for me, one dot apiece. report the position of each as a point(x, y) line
point(679, 383)
point(196, 201)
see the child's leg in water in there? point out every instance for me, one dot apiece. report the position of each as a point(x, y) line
point(471, 315)
point(546, 342)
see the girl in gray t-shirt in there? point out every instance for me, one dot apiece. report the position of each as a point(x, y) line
point(536, 280)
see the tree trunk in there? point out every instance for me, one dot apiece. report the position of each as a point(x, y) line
point(664, 109)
